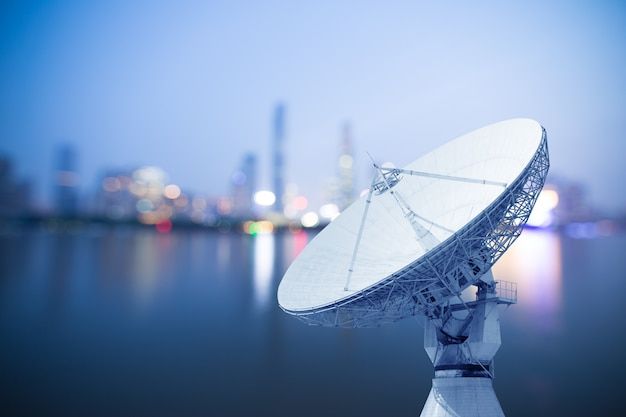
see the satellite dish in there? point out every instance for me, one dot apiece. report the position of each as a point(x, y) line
point(420, 237)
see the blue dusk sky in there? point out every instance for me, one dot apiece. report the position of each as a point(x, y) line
point(190, 86)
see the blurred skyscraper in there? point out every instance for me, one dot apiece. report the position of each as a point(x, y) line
point(345, 170)
point(145, 195)
point(14, 194)
point(278, 158)
point(114, 199)
point(244, 183)
point(66, 181)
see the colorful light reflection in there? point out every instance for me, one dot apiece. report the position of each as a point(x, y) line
point(263, 268)
point(257, 228)
point(534, 263)
point(542, 215)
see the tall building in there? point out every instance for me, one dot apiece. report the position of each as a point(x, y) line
point(114, 198)
point(66, 181)
point(14, 193)
point(145, 195)
point(344, 192)
point(244, 184)
point(278, 157)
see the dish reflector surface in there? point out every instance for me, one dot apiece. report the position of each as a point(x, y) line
point(505, 152)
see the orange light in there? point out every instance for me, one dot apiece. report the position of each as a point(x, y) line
point(246, 227)
point(171, 191)
point(265, 226)
point(258, 228)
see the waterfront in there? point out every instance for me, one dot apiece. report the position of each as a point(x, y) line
point(106, 321)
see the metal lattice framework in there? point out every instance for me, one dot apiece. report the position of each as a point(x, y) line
point(426, 285)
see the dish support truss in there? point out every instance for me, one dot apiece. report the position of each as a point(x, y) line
point(427, 285)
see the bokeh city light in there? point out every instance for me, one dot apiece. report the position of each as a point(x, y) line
point(264, 198)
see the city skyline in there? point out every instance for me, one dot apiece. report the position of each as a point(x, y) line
point(188, 89)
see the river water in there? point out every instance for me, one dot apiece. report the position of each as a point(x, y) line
point(128, 322)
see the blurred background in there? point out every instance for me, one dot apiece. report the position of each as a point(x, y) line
point(162, 163)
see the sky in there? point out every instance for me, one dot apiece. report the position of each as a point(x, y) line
point(190, 86)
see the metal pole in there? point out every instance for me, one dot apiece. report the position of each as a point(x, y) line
point(360, 233)
point(445, 177)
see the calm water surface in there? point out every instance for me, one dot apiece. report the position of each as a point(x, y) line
point(125, 322)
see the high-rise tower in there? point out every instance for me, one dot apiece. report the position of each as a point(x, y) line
point(243, 182)
point(14, 193)
point(66, 181)
point(345, 169)
point(278, 158)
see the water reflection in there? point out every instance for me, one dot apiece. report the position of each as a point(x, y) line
point(300, 239)
point(61, 259)
point(210, 332)
point(534, 263)
point(223, 252)
point(263, 268)
point(145, 269)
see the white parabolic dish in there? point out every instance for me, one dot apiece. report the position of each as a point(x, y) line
point(500, 152)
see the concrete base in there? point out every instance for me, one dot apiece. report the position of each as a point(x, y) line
point(462, 397)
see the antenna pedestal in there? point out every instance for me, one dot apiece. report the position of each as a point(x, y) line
point(460, 397)
point(461, 344)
